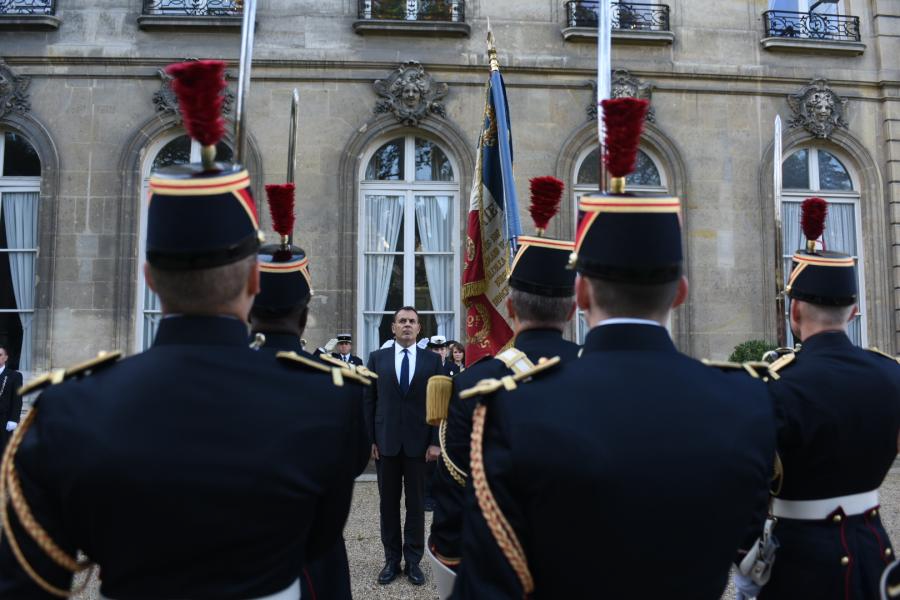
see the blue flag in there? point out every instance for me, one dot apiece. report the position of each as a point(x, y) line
point(497, 162)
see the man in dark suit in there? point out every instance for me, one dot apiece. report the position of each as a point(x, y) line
point(402, 442)
point(10, 401)
point(345, 350)
point(199, 468)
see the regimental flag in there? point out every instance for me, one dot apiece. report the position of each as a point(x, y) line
point(491, 232)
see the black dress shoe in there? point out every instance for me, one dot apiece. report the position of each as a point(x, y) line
point(388, 573)
point(415, 575)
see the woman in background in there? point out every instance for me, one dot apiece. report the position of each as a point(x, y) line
point(457, 362)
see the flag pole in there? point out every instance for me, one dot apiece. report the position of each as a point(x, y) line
point(604, 76)
point(240, 124)
point(780, 328)
point(292, 143)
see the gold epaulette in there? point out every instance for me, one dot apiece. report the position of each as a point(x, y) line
point(884, 354)
point(515, 360)
point(355, 368)
point(489, 386)
point(756, 369)
point(782, 362)
point(338, 375)
point(55, 376)
point(437, 399)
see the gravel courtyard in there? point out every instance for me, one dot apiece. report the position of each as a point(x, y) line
point(366, 556)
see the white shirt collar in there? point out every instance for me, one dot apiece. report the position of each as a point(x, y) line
point(2, 368)
point(398, 349)
point(627, 321)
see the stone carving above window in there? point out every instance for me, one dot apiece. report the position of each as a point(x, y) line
point(165, 101)
point(818, 109)
point(13, 91)
point(624, 85)
point(410, 94)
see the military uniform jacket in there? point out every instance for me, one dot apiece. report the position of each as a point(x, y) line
point(197, 469)
point(10, 402)
point(633, 472)
point(354, 360)
point(446, 528)
point(838, 409)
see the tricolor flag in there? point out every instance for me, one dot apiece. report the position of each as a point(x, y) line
point(491, 232)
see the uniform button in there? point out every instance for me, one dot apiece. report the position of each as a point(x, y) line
point(845, 560)
point(837, 518)
point(888, 551)
point(874, 513)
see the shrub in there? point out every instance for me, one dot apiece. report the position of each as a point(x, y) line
point(750, 350)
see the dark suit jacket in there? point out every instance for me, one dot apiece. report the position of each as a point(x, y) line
point(397, 422)
point(10, 402)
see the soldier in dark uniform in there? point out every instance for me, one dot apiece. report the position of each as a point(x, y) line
point(199, 468)
point(838, 410)
point(540, 305)
point(10, 401)
point(635, 471)
point(277, 321)
point(344, 350)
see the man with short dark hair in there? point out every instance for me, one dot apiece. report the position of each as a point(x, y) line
point(345, 350)
point(10, 401)
point(401, 442)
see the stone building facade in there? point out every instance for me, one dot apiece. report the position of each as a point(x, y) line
point(380, 167)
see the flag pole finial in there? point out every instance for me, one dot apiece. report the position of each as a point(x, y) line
point(492, 49)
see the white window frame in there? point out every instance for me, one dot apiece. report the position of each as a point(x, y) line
point(581, 189)
point(18, 184)
point(407, 188)
point(803, 6)
point(150, 154)
point(832, 197)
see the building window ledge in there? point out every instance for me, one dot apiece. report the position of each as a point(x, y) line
point(813, 46)
point(10, 22)
point(620, 36)
point(170, 22)
point(419, 28)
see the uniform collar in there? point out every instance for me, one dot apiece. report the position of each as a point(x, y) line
point(201, 331)
point(282, 341)
point(535, 337)
point(628, 337)
point(827, 340)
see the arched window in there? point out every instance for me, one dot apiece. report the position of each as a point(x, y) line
point(20, 190)
point(173, 149)
point(408, 238)
point(814, 171)
point(648, 178)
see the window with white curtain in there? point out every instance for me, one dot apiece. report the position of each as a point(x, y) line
point(173, 149)
point(408, 239)
point(818, 172)
point(20, 190)
point(648, 178)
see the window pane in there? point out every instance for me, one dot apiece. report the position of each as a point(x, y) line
point(176, 152)
point(434, 230)
point(795, 171)
point(431, 162)
point(387, 162)
point(434, 283)
point(791, 5)
point(223, 152)
point(384, 282)
point(384, 223)
point(840, 228)
point(589, 170)
point(19, 158)
point(791, 234)
point(854, 330)
point(832, 174)
point(377, 330)
point(645, 172)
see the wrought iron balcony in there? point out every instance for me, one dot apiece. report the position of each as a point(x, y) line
point(450, 11)
point(27, 7)
point(812, 26)
point(193, 8)
point(626, 16)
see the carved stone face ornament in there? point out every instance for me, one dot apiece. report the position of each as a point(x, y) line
point(165, 101)
point(818, 109)
point(410, 94)
point(624, 85)
point(13, 92)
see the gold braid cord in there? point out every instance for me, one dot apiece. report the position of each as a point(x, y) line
point(11, 492)
point(500, 528)
point(458, 475)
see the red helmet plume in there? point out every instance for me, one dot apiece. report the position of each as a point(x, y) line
point(281, 207)
point(198, 85)
point(624, 121)
point(546, 194)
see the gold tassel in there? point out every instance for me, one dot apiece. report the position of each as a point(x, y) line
point(437, 399)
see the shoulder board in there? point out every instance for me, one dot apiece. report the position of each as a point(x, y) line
point(884, 354)
point(489, 386)
point(515, 360)
point(360, 369)
point(782, 362)
point(756, 369)
point(55, 376)
point(337, 374)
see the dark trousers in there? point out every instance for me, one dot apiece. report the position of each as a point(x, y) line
point(398, 474)
point(329, 577)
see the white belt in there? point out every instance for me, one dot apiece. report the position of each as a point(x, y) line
point(292, 592)
point(816, 510)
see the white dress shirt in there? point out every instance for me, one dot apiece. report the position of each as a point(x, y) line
point(627, 321)
point(2, 368)
point(398, 360)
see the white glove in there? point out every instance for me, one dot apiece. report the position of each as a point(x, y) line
point(330, 345)
point(11, 425)
point(746, 587)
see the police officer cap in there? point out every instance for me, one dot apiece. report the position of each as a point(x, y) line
point(200, 215)
point(818, 276)
point(437, 341)
point(344, 338)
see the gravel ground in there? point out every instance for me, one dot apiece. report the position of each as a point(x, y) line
point(366, 555)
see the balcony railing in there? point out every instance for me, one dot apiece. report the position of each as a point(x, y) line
point(191, 8)
point(27, 7)
point(812, 26)
point(629, 16)
point(452, 11)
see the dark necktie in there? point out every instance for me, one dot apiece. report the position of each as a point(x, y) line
point(404, 372)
